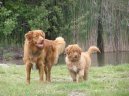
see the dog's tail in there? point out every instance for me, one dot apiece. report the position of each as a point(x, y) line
point(93, 49)
point(60, 46)
point(60, 43)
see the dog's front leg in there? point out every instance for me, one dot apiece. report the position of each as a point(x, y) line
point(41, 70)
point(80, 75)
point(73, 75)
point(79, 78)
point(28, 71)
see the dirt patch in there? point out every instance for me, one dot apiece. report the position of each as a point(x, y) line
point(11, 55)
point(76, 93)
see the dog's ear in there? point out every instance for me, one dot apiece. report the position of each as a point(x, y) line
point(29, 35)
point(66, 51)
point(80, 51)
point(43, 34)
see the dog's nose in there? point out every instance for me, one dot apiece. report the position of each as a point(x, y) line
point(42, 41)
point(75, 56)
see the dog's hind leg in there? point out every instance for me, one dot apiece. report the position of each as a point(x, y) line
point(48, 72)
point(85, 77)
point(49, 75)
point(45, 69)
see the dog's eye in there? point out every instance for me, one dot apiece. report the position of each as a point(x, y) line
point(35, 36)
point(43, 36)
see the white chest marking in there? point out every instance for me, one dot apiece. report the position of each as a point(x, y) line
point(74, 68)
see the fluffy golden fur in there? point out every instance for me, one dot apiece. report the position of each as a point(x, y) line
point(78, 62)
point(52, 50)
point(33, 52)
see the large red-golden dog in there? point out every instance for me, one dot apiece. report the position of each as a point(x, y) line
point(41, 52)
point(33, 52)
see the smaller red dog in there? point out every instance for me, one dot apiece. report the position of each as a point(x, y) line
point(78, 62)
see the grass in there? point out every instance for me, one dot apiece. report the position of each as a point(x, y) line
point(103, 81)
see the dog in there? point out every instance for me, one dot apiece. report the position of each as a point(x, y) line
point(33, 52)
point(52, 50)
point(78, 62)
point(41, 52)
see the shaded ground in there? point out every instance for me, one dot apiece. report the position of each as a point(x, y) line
point(13, 55)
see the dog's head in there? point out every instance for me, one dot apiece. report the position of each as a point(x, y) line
point(36, 38)
point(73, 52)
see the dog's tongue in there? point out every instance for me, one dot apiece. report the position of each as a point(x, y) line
point(39, 46)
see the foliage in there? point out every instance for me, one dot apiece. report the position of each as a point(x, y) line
point(39, 15)
point(20, 16)
point(8, 21)
point(76, 19)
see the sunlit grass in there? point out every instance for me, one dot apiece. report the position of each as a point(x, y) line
point(102, 81)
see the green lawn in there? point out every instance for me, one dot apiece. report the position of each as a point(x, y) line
point(103, 81)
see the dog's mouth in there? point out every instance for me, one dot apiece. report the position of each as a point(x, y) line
point(75, 59)
point(40, 44)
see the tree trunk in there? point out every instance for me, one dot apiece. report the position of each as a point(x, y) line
point(100, 42)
